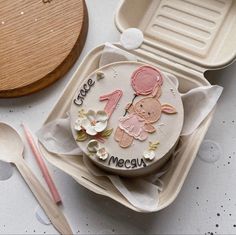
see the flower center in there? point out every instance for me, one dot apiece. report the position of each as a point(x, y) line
point(102, 151)
point(93, 122)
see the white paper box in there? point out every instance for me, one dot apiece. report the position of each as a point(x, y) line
point(184, 38)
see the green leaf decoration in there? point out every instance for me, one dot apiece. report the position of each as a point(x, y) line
point(106, 133)
point(81, 136)
point(153, 146)
point(81, 113)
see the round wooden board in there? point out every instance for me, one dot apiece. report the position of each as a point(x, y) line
point(39, 41)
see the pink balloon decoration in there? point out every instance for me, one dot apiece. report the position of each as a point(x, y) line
point(145, 79)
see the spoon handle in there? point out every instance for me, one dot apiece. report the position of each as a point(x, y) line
point(50, 208)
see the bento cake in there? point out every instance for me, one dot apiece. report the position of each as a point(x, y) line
point(127, 117)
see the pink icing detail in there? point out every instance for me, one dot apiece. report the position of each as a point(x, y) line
point(133, 125)
point(167, 108)
point(99, 138)
point(138, 123)
point(145, 79)
point(113, 99)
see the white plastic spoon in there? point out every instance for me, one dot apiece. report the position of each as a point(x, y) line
point(11, 150)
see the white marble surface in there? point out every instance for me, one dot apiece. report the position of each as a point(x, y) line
point(206, 203)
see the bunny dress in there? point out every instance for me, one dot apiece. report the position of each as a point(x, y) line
point(134, 126)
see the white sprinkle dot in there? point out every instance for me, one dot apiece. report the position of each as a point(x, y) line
point(3, 22)
point(22, 13)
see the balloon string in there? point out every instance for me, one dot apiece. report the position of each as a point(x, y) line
point(126, 110)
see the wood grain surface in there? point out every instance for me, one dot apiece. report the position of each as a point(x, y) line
point(39, 41)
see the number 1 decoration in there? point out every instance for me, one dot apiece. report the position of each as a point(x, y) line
point(112, 101)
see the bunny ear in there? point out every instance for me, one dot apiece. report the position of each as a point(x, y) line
point(167, 108)
point(156, 92)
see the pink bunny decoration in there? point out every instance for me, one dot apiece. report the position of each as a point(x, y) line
point(138, 123)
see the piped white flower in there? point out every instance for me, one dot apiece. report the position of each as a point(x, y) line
point(78, 124)
point(149, 155)
point(102, 153)
point(94, 147)
point(94, 122)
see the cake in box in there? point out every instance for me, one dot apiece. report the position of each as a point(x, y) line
point(127, 118)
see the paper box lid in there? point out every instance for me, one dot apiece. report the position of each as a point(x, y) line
point(201, 32)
